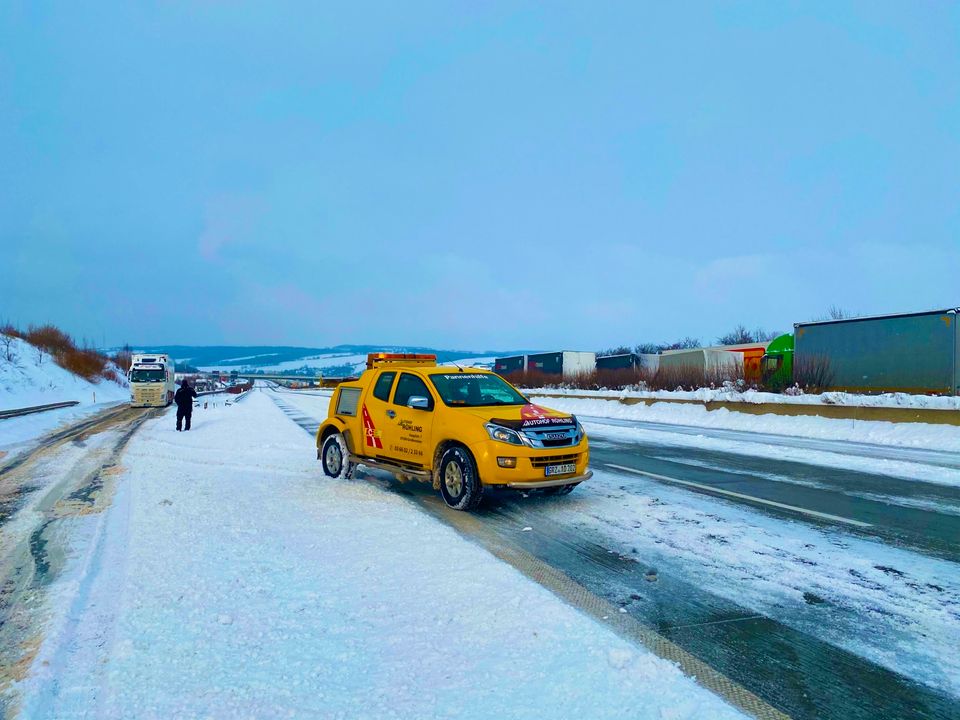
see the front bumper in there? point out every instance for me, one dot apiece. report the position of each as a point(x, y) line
point(552, 482)
point(531, 465)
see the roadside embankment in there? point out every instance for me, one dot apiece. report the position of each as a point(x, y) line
point(838, 406)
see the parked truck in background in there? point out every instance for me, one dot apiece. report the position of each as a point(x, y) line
point(776, 366)
point(909, 352)
point(565, 363)
point(151, 379)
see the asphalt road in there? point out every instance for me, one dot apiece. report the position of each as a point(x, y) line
point(907, 513)
point(795, 671)
point(843, 447)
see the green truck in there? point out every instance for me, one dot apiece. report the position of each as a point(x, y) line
point(908, 352)
point(776, 366)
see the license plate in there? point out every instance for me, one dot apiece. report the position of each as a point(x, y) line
point(564, 469)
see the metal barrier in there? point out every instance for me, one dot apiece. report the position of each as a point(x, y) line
point(17, 412)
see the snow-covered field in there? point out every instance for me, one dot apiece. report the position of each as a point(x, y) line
point(913, 435)
point(227, 579)
point(25, 382)
point(319, 362)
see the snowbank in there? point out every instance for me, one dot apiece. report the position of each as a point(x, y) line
point(916, 435)
point(25, 382)
point(730, 394)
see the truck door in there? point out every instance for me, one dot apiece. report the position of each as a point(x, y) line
point(376, 415)
point(408, 436)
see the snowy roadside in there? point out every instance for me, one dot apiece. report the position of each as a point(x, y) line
point(913, 435)
point(19, 434)
point(230, 580)
point(26, 381)
point(756, 397)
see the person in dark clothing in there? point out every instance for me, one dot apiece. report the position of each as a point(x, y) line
point(184, 400)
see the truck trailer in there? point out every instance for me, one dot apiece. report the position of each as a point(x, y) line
point(709, 362)
point(566, 363)
point(908, 352)
point(508, 365)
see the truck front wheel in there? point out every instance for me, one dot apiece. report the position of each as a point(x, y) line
point(460, 483)
point(333, 456)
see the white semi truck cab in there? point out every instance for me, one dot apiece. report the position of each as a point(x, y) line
point(151, 380)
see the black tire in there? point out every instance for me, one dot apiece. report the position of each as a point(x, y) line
point(560, 489)
point(460, 484)
point(333, 456)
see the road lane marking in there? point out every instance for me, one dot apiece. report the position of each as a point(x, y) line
point(741, 496)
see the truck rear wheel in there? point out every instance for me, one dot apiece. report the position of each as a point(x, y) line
point(333, 456)
point(460, 484)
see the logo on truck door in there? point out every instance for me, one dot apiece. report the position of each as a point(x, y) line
point(371, 432)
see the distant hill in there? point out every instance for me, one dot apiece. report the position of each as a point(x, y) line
point(337, 360)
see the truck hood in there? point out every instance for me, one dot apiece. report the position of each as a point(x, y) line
point(522, 416)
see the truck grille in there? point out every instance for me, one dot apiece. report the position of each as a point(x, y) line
point(553, 437)
point(544, 460)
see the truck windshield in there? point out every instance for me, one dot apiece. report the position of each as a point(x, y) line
point(139, 376)
point(475, 389)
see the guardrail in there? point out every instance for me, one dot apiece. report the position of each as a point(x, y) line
point(17, 412)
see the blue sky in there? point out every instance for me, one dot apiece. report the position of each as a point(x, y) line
point(474, 175)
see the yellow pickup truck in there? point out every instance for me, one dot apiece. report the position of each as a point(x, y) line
point(460, 429)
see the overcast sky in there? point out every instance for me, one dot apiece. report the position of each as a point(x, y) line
point(474, 175)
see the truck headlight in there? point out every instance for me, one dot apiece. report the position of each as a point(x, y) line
point(502, 434)
point(580, 431)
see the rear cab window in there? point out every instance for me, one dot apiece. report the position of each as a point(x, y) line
point(381, 391)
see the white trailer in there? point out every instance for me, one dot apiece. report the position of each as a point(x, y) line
point(709, 361)
point(151, 380)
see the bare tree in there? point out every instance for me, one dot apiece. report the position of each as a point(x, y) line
point(685, 344)
point(741, 336)
point(6, 342)
point(835, 312)
point(39, 353)
point(813, 374)
point(621, 350)
point(738, 336)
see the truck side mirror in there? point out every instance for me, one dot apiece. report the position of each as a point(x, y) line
point(418, 402)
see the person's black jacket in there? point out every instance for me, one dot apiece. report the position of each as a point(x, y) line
point(184, 397)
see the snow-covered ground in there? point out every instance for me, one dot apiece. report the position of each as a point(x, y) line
point(227, 579)
point(914, 435)
point(25, 382)
point(731, 394)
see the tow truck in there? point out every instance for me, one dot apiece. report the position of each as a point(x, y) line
point(461, 429)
